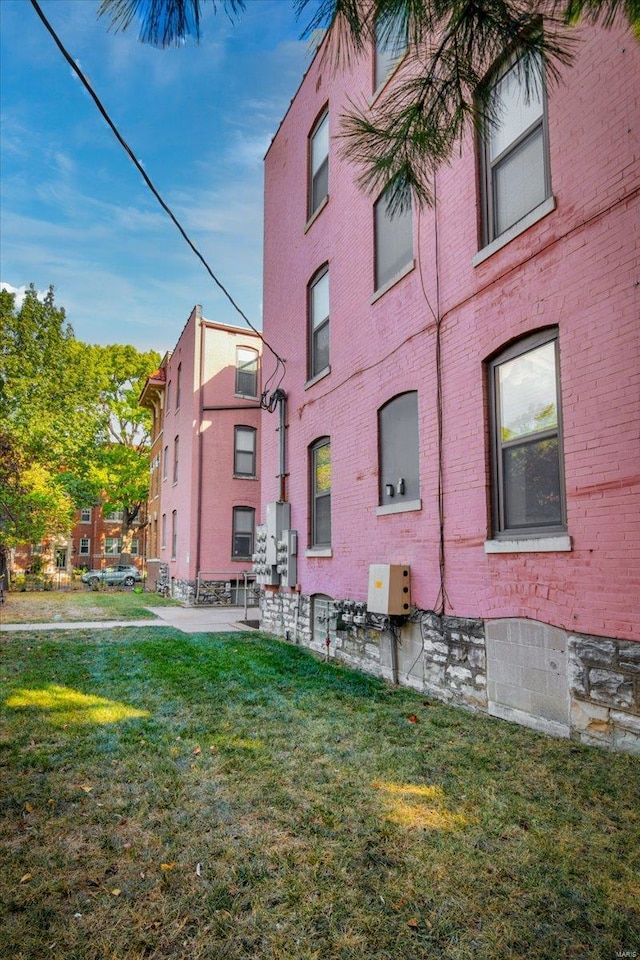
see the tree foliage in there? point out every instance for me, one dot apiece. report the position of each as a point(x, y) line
point(442, 87)
point(72, 432)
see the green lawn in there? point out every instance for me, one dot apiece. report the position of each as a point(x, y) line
point(49, 606)
point(229, 796)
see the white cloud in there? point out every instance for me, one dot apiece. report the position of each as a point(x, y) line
point(20, 292)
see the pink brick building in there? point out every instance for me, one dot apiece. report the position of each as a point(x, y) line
point(205, 463)
point(463, 399)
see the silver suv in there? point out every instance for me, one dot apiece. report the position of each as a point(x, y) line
point(125, 575)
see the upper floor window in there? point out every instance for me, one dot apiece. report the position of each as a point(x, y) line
point(165, 467)
point(318, 305)
point(85, 546)
point(178, 385)
point(528, 483)
point(321, 493)
point(243, 527)
point(244, 458)
point(163, 531)
point(399, 449)
point(319, 163)
point(168, 406)
point(114, 517)
point(390, 46)
point(85, 515)
point(176, 451)
point(514, 155)
point(247, 372)
point(393, 240)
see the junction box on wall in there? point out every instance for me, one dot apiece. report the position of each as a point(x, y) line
point(389, 589)
point(275, 559)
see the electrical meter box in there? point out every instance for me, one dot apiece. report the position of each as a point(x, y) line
point(389, 589)
point(278, 519)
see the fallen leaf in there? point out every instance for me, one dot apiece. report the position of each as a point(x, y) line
point(412, 718)
point(167, 866)
point(198, 870)
point(28, 807)
point(197, 751)
point(115, 892)
point(413, 922)
point(26, 878)
point(86, 788)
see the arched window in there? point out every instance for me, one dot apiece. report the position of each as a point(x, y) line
point(246, 372)
point(320, 488)
point(318, 308)
point(526, 438)
point(399, 450)
point(393, 240)
point(319, 163)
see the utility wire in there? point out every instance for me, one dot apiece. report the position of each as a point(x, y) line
point(76, 69)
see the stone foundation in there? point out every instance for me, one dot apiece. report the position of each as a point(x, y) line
point(184, 591)
point(562, 684)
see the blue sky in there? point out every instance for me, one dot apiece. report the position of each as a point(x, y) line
point(75, 213)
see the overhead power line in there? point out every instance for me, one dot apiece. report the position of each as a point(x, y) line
point(123, 143)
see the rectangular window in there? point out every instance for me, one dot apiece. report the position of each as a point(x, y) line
point(134, 547)
point(114, 517)
point(247, 372)
point(165, 468)
point(174, 534)
point(319, 324)
point(528, 484)
point(243, 527)
point(163, 543)
point(321, 494)
point(244, 461)
point(85, 515)
point(178, 386)
point(516, 176)
point(168, 406)
point(176, 448)
point(85, 546)
point(393, 240)
point(318, 164)
point(390, 46)
point(112, 546)
point(399, 448)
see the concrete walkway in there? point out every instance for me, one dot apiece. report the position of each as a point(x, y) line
point(185, 619)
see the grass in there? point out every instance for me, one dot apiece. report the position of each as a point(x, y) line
point(229, 796)
point(75, 605)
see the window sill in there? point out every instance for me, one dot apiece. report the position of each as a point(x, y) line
point(405, 507)
point(319, 376)
point(245, 396)
point(542, 210)
point(534, 545)
point(244, 476)
point(378, 92)
point(380, 292)
point(316, 213)
point(319, 552)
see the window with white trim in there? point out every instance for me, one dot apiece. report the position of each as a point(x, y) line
point(320, 464)
point(114, 517)
point(85, 546)
point(514, 152)
point(319, 163)
point(526, 439)
point(393, 240)
point(244, 455)
point(85, 515)
point(112, 546)
point(318, 307)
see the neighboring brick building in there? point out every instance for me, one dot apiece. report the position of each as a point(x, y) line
point(205, 457)
point(463, 398)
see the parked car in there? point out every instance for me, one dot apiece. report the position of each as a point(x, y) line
point(122, 574)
